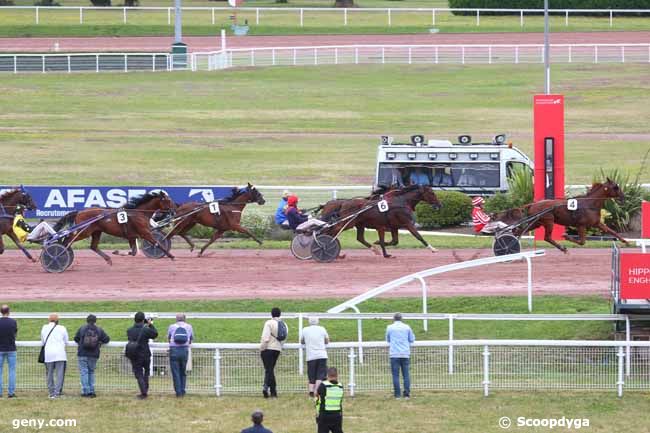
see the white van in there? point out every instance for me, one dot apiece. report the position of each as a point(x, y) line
point(473, 168)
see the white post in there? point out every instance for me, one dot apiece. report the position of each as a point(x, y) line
point(521, 18)
point(530, 284)
point(217, 372)
point(153, 62)
point(15, 64)
point(433, 17)
point(451, 346)
point(517, 54)
point(302, 13)
point(126, 63)
point(627, 345)
point(356, 55)
point(390, 21)
point(315, 56)
point(273, 56)
point(37, 20)
point(351, 383)
point(345, 16)
point(490, 55)
point(611, 18)
point(69, 69)
point(43, 62)
point(623, 54)
point(486, 371)
point(620, 380)
point(253, 57)
point(360, 338)
point(169, 16)
point(223, 40)
point(383, 55)
point(96, 62)
point(257, 16)
point(301, 368)
point(566, 18)
point(436, 54)
point(212, 16)
point(81, 15)
point(124, 15)
point(478, 17)
point(410, 55)
point(463, 54)
point(294, 57)
point(423, 284)
point(596, 54)
point(334, 194)
point(336, 56)
point(570, 54)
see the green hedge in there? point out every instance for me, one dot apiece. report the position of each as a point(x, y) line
point(456, 209)
point(539, 4)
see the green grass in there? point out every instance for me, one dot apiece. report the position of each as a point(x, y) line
point(246, 331)
point(300, 125)
point(428, 412)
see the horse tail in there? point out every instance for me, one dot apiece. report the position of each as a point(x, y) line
point(68, 219)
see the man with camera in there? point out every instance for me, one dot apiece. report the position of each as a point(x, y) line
point(137, 350)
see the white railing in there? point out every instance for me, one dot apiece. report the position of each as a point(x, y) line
point(485, 365)
point(297, 16)
point(325, 55)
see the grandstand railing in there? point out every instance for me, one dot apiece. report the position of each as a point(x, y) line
point(485, 365)
point(296, 16)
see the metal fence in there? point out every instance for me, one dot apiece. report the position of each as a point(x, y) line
point(290, 16)
point(485, 365)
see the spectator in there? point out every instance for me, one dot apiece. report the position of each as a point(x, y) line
point(55, 339)
point(441, 178)
point(257, 417)
point(329, 404)
point(139, 334)
point(294, 216)
point(281, 211)
point(180, 335)
point(89, 337)
point(273, 335)
point(315, 337)
point(419, 177)
point(8, 331)
point(400, 337)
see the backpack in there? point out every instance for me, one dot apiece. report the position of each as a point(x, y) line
point(180, 336)
point(132, 347)
point(90, 339)
point(282, 331)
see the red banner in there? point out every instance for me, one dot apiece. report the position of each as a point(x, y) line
point(548, 111)
point(645, 219)
point(635, 276)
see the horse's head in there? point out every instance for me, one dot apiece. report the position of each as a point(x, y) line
point(428, 196)
point(165, 202)
point(255, 195)
point(16, 197)
point(26, 200)
point(612, 190)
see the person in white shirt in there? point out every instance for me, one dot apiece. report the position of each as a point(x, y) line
point(270, 349)
point(55, 339)
point(315, 337)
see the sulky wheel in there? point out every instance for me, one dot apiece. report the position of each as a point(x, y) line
point(301, 246)
point(325, 248)
point(506, 243)
point(56, 258)
point(154, 251)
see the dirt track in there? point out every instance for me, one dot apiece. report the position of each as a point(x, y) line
point(245, 274)
point(207, 43)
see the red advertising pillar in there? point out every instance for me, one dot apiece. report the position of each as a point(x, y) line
point(549, 152)
point(645, 219)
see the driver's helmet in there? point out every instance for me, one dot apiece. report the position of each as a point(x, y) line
point(20, 208)
point(478, 201)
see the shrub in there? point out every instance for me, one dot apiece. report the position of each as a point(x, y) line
point(46, 3)
point(622, 213)
point(539, 4)
point(100, 2)
point(456, 209)
point(520, 186)
point(498, 203)
point(6, 3)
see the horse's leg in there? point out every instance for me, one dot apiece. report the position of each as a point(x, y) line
point(182, 232)
point(216, 235)
point(362, 239)
point(411, 228)
point(189, 241)
point(14, 238)
point(582, 236)
point(94, 245)
point(548, 236)
point(394, 238)
point(606, 229)
point(244, 230)
point(134, 247)
point(381, 233)
point(2, 245)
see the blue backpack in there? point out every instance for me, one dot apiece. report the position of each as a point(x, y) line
point(180, 336)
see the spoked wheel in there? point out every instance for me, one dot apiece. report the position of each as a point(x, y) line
point(56, 258)
point(154, 251)
point(301, 246)
point(506, 243)
point(325, 248)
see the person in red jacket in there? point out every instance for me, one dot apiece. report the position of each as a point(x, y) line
point(482, 221)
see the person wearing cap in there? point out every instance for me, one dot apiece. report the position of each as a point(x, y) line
point(8, 332)
point(294, 216)
point(55, 339)
point(25, 232)
point(281, 211)
point(483, 224)
point(400, 336)
point(257, 417)
point(315, 337)
point(89, 339)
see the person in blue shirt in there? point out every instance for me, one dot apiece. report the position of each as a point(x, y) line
point(419, 177)
point(257, 417)
point(281, 211)
point(400, 337)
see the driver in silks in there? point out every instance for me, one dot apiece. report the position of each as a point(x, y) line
point(483, 224)
point(25, 232)
point(298, 220)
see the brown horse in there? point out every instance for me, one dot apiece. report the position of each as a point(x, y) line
point(139, 210)
point(399, 215)
point(556, 211)
point(8, 202)
point(228, 218)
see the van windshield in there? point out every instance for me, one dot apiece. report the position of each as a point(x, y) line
point(461, 175)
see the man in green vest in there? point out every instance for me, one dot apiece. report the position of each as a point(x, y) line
point(329, 404)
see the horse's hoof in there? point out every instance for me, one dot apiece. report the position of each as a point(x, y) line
point(116, 253)
point(191, 249)
point(33, 260)
point(389, 256)
point(341, 256)
point(433, 250)
point(109, 262)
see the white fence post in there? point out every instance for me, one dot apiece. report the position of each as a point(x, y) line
point(294, 57)
point(169, 16)
point(478, 17)
point(301, 17)
point(96, 62)
point(273, 56)
point(437, 55)
point(410, 55)
point(345, 16)
point(486, 371)
point(351, 383)
point(81, 15)
point(336, 56)
point(570, 54)
point(423, 284)
point(529, 266)
point(450, 349)
point(126, 63)
point(37, 18)
point(566, 18)
point(490, 55)
point(153, 62)
point(595, 53)
point(620, 355)
point(212, 16)
point(433, 17)
point(315, 56)
point(383, 55)
point(611, 18)
point(521, 18)
point(257, 16)
point(627, 345)
point(43, 61)
point(360, 338)
point(301, 368)
point(356, 55)
point(15, 64)
point(253, 57)
point(516, 55)
point(390, 20)
point(124, 15)
point(69, 69)
point(463, 54)
point(623, 54)
point(217, 372)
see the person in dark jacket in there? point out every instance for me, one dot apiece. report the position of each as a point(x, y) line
point(294, 216)
point(8, 331)
point(89, 339)
point(141, 332)
point(257, 417)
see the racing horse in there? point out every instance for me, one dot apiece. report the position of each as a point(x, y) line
point(556, 211)
point(138, 210)
point(401, 203)
point(8, 202)
point(228, 218)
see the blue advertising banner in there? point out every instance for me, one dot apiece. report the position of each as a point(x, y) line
point(56, 201)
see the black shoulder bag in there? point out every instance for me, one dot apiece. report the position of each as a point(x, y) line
point(41, 355)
